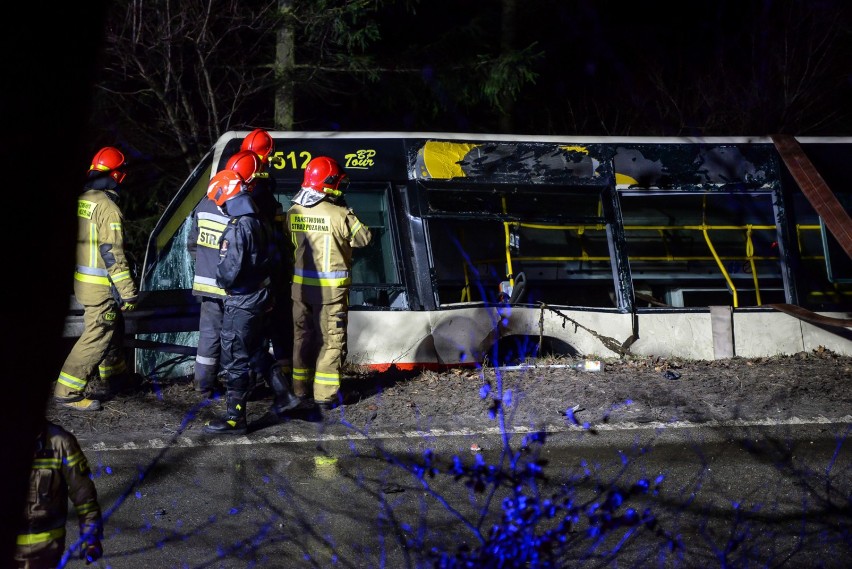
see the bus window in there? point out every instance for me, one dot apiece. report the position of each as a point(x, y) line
point(690, 250)
point(555, 237)
point(824, 274)
point(168, 265)
point(375, 278)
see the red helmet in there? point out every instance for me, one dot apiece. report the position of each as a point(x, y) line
point(259, 142)
point(225, 185)
point(246, 163)
point(109, 159)
point(324, 175)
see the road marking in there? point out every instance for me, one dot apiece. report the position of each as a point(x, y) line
point(181, 440)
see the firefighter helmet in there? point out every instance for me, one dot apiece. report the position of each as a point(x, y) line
point(324, 175)
point(246, 163)
point(109, 159)
point(225, 185)
point(259, 142)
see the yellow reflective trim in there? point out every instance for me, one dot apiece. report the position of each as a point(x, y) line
point(115, 226)
point(310, 281)
point(205, 223)
point(325, 378)
point(208, 288)
point(326, 254)
point(122, 276)
point(302, 374)
point(92, 279)
point(86, 508)
point(46, 463)
point(75, 459)
point(106, 372)
point(74, 383)
point(34, 538)
point(93, 244)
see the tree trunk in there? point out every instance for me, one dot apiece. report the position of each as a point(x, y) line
point(285, 60)
point(507, 44)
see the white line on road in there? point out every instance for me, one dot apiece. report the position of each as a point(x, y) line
point(182, 441)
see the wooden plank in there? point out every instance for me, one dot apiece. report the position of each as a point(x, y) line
point(809, 316)
point(722, 326)
point(816, 190)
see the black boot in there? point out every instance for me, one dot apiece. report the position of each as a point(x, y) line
point(282, 386)
point(234, 422)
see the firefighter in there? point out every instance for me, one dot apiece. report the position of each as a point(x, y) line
point(278, 321)
point(208, 223)
point(323, 231)
point(103, 284)
point(59, 472)
point(243, 273)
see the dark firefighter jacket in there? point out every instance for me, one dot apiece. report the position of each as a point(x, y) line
point(273, 214)
point(323, 236)
point(101, 262)
point(243, 249)
point(60, 472)
point(208, 223)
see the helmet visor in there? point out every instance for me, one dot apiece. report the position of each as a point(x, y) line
point(343, 185)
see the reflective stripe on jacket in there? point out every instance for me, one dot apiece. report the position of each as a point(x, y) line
point(323, 237)
point(101, 261)
point(208, 224)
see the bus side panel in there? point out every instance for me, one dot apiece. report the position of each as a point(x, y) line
point(381, 338)
point(775, 333)
point(675, 334)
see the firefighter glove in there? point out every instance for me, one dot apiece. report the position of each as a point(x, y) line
point(91, 551)
point(128, 305)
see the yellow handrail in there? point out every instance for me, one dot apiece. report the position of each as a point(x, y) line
point(713, 250)
point(510, 273)
point(466, 290)
point(581, 228)
point(750, 255)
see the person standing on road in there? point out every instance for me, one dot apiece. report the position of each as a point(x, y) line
point(323, 231)
point(103, 284)
point(243, 273)
point(278, 321)
point(59, 472)
point(208, 224)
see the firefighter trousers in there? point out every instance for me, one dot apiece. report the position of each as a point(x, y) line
point(100, 345)
point(242, 339)
point(209, 344)
point(319, 348)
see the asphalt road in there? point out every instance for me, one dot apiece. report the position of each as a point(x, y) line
point(722, 496)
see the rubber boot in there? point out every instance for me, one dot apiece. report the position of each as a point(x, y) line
point(234, 422)
point(74, 399)
point(282, 386)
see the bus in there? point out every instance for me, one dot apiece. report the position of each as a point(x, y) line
point(494, 249)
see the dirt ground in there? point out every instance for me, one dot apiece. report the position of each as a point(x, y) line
point(804, 386)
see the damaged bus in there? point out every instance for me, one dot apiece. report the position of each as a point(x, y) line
point(494, 248)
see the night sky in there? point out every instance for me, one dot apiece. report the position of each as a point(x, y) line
point(672, 68)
